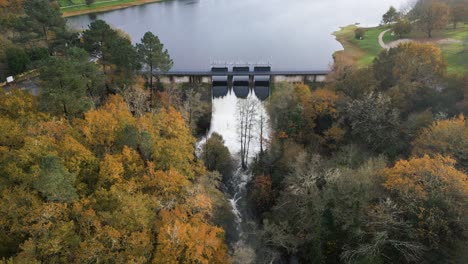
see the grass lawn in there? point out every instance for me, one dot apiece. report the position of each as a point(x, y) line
point(460, 33)
point(389, 37)
point(362, 51)
point(456, 55)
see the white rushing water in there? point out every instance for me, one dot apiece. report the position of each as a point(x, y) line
point(226, 122)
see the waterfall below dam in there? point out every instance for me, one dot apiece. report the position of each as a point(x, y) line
point(230, 116)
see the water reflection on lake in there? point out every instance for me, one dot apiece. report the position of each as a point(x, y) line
point(291, 35)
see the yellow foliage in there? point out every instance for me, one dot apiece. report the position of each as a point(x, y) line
point(418, 177)
point(18, 104)
point(173, 143)
point(11, 133)
point(188, 239)
point(333, 136)
point(116, 216)
point(445, 137)
point(75, 155)
point(111, 171)
point(417, 59)
point(323, 101)
point(169, 187)
point(133, 163)
point(302, 92)
point(100, 126)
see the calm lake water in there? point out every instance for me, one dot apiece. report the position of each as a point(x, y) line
point(291, 35)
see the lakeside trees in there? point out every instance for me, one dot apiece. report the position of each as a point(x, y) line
point(43, 19)
point(115, 52)
point(151, 52)
point(366, 169)
point(69, 84)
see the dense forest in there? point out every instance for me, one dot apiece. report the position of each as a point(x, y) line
point(100, 166)
point(370, 167)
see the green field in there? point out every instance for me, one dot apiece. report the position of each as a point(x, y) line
point(460, 33)
point(365, 50)
point(456, 56)
point(370, 44)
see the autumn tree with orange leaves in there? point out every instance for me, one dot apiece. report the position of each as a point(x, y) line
point(445, 137)
point(433, 194)
point(76, 190)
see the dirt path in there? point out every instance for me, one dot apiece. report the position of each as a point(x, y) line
point(395, 43)
point(392, 44)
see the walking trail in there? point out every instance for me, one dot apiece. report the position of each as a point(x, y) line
point(395, 43)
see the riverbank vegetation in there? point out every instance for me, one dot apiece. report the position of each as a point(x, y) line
point(445, 29)
point(369, 168)
point(100, 167)
point(359, 51)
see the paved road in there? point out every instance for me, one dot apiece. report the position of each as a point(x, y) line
point(29, 84)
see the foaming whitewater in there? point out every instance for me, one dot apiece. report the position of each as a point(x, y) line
point(226, 122)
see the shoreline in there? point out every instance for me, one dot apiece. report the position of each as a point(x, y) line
point(362, 52)
point(108, 8)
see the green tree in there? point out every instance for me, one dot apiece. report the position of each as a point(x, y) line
point(217, 156)
point(390, 16)
point(127, 136)
point(66, 82)
point(105, 43)
point(97, 38)
point(17, 59)
point(355, 83)
point(285, 112)
point(43, 19)
point(152, 54)
point(123, 55)
point(55, 183)
point(402, 27)
point(359, 33)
